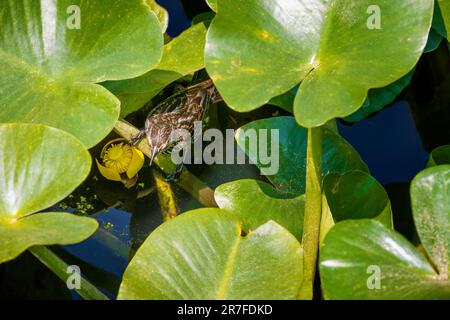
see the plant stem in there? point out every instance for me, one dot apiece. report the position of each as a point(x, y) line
point(313, 211)
point(87, 290)
point(165, 197)
point(189, 182)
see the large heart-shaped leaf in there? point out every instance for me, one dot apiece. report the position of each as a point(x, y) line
point(430, 200)
point(259, 49)
point(255, 203)
point(338, 155)
point(202, 255)
point(182, 56)
point(378, 98)
point(39, 166)
point(362, 259)
point(52, 52)
point(47, 228)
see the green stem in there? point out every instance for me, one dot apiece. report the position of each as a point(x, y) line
point(313, 211)
point(87, 290)
point(166, 197)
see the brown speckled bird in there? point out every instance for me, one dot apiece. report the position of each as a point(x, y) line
point(179, 111)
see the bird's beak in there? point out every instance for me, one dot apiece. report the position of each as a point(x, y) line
point(154, 153)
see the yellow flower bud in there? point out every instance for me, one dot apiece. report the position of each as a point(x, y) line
point(120, 162)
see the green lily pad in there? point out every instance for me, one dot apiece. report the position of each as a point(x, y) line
point(440, 155)
point(202, 255)
point(357, 195)
point(39, 167)
point(255, 202)
point(350, 196)
point(49, 67)
point(182, 56)
point(259, 49)
point(379, 98)
point(48, 228)
point(338, 155)
point(430, 200)
point(363, 259)
point(444, 6)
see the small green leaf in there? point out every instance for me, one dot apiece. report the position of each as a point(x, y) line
point(39, 166)
point(259, 49)
point(430, 200)
point(338, 155)
point(255, 202)
point(362, 259)
point(440, 155)
point(182, 56)
point(357, 195)
point(52, 52)
point(202, 255)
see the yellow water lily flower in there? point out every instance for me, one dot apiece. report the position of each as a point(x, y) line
point(120, 162)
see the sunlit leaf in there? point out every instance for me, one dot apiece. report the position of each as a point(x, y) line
point(338, 50)
point(255, 202)
point(363, 259)
point(430, 200)
point(202, 255)
point(182, 56)
point(39, 166)
point(52, 52)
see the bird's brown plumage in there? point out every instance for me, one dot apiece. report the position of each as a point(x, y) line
point(159, 126)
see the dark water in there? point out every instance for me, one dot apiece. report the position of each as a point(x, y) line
point(388, 142)
point(178, 20)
